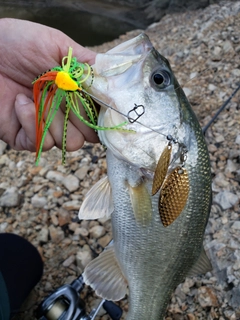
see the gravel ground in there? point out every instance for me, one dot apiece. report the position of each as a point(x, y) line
point(41, 203)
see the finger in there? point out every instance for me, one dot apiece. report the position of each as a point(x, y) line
point(77, 132)
point(89, 134)
point(26, 136)
point(81, 53)
point(75, 138)
point(85, 55)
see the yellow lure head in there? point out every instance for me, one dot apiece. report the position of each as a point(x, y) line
point(65, 82)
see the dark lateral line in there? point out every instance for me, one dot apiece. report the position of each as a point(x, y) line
point(204, 129)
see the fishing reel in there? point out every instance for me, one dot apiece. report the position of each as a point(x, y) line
point(65, 304)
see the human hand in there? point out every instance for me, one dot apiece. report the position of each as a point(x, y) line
point(28, 49)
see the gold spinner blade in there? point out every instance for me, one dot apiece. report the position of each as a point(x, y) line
point(161, 169)
point(173, 196)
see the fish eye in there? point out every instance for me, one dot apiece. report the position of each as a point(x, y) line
point(161, 79)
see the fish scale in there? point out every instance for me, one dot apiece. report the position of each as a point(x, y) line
point(149, 258)
point(158, 250)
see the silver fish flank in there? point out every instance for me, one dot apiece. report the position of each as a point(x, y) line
point(158, 188)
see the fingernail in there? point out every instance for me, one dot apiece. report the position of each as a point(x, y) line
point(22, 99)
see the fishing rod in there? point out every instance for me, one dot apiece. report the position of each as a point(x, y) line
point(65, 304)
point(204, 129)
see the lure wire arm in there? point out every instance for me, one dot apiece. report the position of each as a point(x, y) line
point(123, 114)
point(76, 73)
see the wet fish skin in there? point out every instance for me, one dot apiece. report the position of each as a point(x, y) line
point(152, 259)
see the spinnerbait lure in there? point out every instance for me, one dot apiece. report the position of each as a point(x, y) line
point(59, 83)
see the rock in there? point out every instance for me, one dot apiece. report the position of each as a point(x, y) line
point(97, 231)
point(70, 279)
point(230, 315)
point(212, 87)
point(48, 287)
point(57, 194)
point(227, 46)
point(236, 72)
point(231, 166)
point(69, 261)
point(35, 170)
point(55, 176)
point(54, 219)
point(207, 297)
point(12, 165)
point(237, 139)
point(95, 174)
point(38, 202)
point(226, 199)
point(236, 266)
point(83, 258)
point(3, 147)
point(236, 225)
point(20, 163)
point(2, 190)
point(42, 163)
point(23, 181)
point(43, 235)
point(104, 241)
point(81, 172)
point(56, 234)
point(76, 238)
point(10, 197)
point(233, 244)
point(43, 172)
point(216, 53)
point(188, 283)
point(63, 217)
point(72, 205)
point(73, 226)
point(81, 231)
point(220, 180)
point(3, 226)
point(4, 160)
point(4, 185)
point(219, 138)
point(71, 183)
point(235, 298)
point(187, 91)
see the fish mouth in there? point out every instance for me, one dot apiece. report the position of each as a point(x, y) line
point(137, 45)
point(122, 57)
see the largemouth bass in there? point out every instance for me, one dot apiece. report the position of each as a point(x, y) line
point(158, 188)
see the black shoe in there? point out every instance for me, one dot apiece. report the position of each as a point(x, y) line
point(21, 267)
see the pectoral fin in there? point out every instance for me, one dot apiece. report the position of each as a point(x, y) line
point(104, 275)
point(173, 196)
point(202, 266)
point(161, 169)
point(98, 201)
point(141, 204)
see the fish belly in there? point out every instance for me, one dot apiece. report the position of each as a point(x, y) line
point(154, 259)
